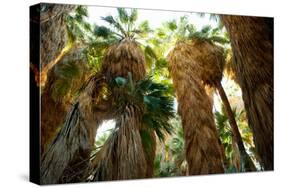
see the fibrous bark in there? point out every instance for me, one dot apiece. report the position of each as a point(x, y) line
point(53, 39)
point(122, 58)
point(252, 45)
point(52, 120)
point(122, 156)
point(210, 62)
point(54, 42)
point(68, 156)
point(203, 151)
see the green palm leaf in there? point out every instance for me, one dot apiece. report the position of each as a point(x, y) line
point(123, 15)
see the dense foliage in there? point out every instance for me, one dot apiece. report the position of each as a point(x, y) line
point(128, 58)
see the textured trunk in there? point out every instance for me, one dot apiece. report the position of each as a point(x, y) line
point(53, 39)
point(72, 146)
point(248, 163)
point(252, 46)
point(150, 152)
point(52, 120)
point(122, 157)
point(68, 156)
point(54, 42)
point(203, 151)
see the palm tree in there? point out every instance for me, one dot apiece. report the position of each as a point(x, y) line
point(210, 64)
point(203, 151)
point(63, 65)
point(125, 56)
point(252, 45)
point(51, 22)
point(212, 75)
point(218, 61)
point(68, 156)
point(202, 147)
point(114, 92)
point(144, 110)
point(59, 32)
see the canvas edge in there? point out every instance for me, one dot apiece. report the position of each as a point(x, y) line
point(34, 96)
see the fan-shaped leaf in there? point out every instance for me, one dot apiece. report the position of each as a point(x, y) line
point(123, 15)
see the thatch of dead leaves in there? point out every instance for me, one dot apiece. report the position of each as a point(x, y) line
point(56, 96)
point(52, 28)
point(229, 66)
point(123, 57)
point(68, 156)
point(94, 105)
point(252, 46)
point(150, 152)
point(122, 156)
point(209, 58)
point(203, 151)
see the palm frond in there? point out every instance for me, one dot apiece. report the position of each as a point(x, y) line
point(109, 19)
point(150, 53)
point(123, 15)
point(219, 39)
point(158, 106)
point(144, 26)
point(104, 32)
point(82, 10)
point(206, 29)
point(134, 15)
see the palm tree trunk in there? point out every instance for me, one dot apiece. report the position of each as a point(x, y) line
point(51, 120)
point(252, 46)
point(203, 151)
point(72, 145)
point(248, 163)
point(68, 157)
point(54, 42)
point(122, 156)
point(53, 47)
point(150, 152)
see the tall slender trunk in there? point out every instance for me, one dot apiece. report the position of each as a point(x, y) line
point(248, 163)
point(203, 151)
point(122, 156)
point(150, 152)
point(252, 45)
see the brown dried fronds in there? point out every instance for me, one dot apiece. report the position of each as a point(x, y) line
point(252, 46)
point(122, 58)
point(122, 156)
point(229, 66)
point(209, 60)
point(71, 149)
point(203, 152)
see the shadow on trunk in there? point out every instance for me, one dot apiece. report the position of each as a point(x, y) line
point(252, 45)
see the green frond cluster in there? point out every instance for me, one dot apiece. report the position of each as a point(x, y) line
point(158, 106)
point(208, 34)
point(67, 74)
point(170, 161)
point(123, 26)
point(77, 25)
point(226, 136)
